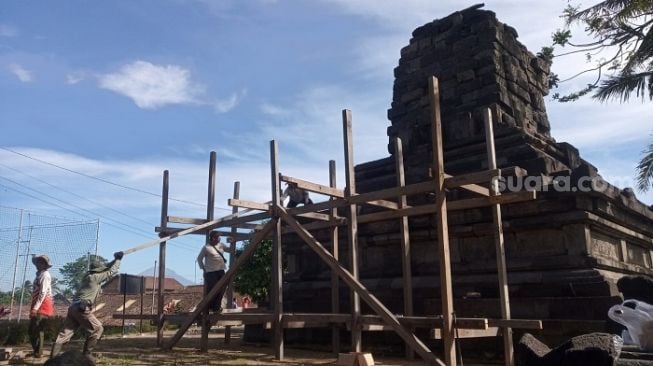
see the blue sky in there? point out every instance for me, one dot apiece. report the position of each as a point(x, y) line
point(121, 90)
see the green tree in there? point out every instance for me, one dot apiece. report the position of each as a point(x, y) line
point(255, 276)
point(620, 52)
point(621, 55)
point(73, 272)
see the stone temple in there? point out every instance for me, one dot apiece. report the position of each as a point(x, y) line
point(565, 251)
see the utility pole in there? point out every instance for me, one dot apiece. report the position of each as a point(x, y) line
point(13, 283)
point(153, 287)
point(22, 291)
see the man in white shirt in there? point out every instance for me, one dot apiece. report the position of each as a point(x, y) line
point(211, 260)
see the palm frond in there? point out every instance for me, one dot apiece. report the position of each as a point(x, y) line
point(621, 86)
point(645, 170)
point(642, 54)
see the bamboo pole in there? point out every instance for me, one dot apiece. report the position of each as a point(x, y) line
point(446, 291)
point(162, 259)
point(335, 283)
point(232, 258)
point(210, 206)
point(498, 241)
point(277, 260)
point(352, 227)
point(404, 229)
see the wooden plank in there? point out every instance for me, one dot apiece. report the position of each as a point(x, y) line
point(232, 258)
point(383, 203)
point(173, 230)
point(240, 220)
point(316, 216)
point(471, 178)
point(162, 258)
point(277, 256)
point(248, 204)
point(446, 292)
point(506, 198)
point(339, 318)
point(210, 209)
point(352, 223)
point(476, 202)
point(472, 187)
point(504, 296)
point(185, 220)
point(467, 333)
point(203, 305)
point(408, 190)
point(428, 321)
point(516, 323)
point(404, 232)
point(354, 284)
point(314, 187)
point(335, 282)
point(223, 221)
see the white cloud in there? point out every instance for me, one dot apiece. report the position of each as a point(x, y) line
point(225, 105)
point(21, 73)
point(75, 77)
point(8, 31)
point(152, 86)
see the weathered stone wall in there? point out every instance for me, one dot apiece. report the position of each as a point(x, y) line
point(479, 63)
point(564, 251)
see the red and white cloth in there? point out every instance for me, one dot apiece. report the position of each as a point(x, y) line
point(42, 301)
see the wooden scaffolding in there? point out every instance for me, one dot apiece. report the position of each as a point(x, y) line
point(324, 216)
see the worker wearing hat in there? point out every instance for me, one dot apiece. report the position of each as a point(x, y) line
point(80, 311)
point(42, 306)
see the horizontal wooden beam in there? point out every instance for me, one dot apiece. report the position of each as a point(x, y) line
point(470, 187)
point(427, 321)
point(248, 204)
point(384, 203)
point(392, 193)
point(315, 216)
point(512, 197)
point(471, 178)
point(468, 333)
point(502, 199)
point(186, 220)
point(171, 230)
point(313, 187)
point(515, 323)
point(244, 219)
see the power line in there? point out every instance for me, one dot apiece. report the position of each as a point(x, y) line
point(77, 195)
point(104, 180)
point(132, 229)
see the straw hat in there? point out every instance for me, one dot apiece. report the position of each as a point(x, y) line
point(43, 258)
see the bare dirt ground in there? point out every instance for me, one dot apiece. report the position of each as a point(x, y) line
point(142, 350)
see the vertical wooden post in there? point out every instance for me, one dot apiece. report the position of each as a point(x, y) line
point(277, 261)
point(446, 291)
point(232, 258)
point(335, 283)
point(162, 259)
point(210, 208)
point(352, 227)
point(405, 239)
point(498, 241)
